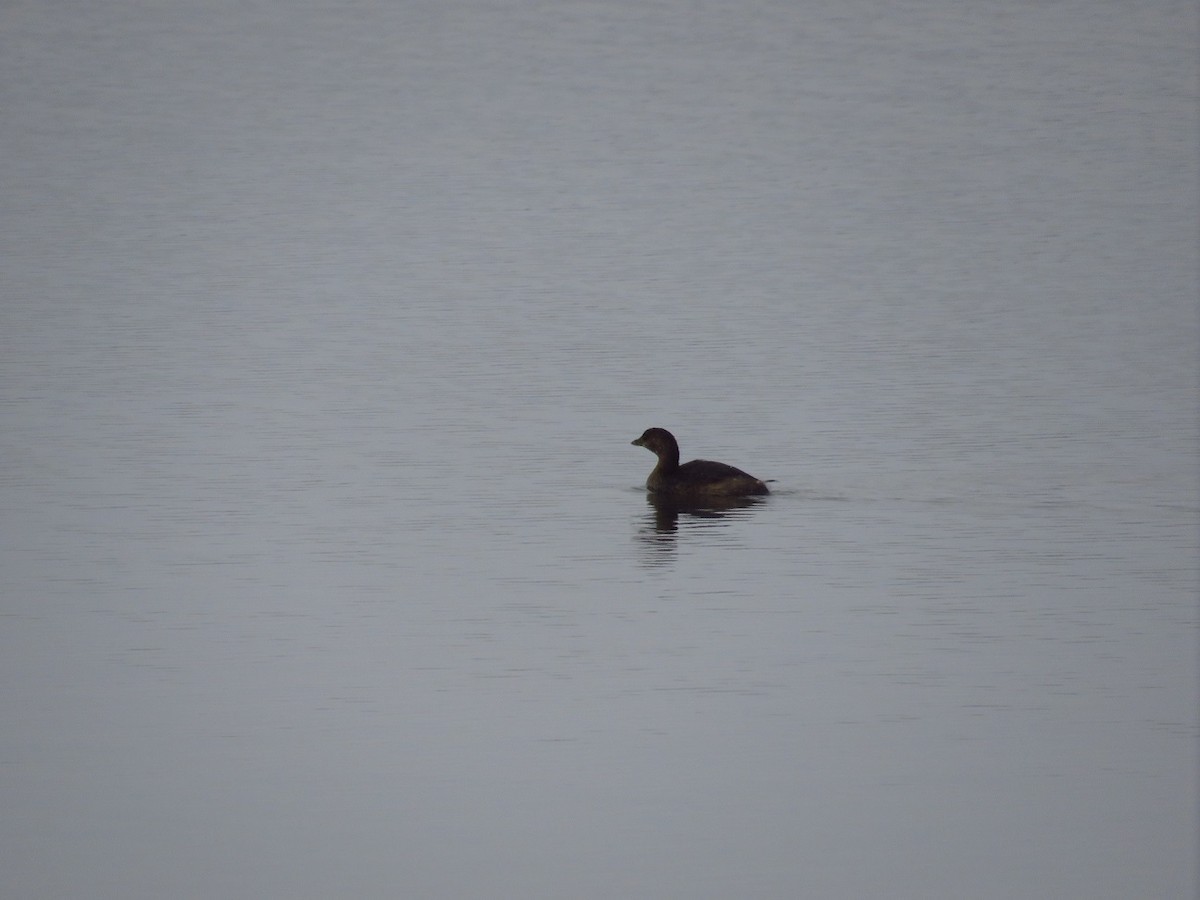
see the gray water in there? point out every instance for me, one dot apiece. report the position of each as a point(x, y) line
point(326, 567)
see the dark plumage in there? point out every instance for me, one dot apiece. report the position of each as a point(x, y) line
point(700, 477)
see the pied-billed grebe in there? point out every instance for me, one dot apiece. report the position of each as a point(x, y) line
point(700, 477)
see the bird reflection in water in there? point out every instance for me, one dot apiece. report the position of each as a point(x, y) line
point(663, 519)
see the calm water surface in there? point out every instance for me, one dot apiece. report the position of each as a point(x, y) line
point(326, 567)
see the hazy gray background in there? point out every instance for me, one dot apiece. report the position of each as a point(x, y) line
point(326, 570)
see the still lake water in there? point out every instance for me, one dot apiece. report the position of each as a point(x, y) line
point(327, 570)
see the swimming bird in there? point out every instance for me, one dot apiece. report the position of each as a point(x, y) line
point(698, 478)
